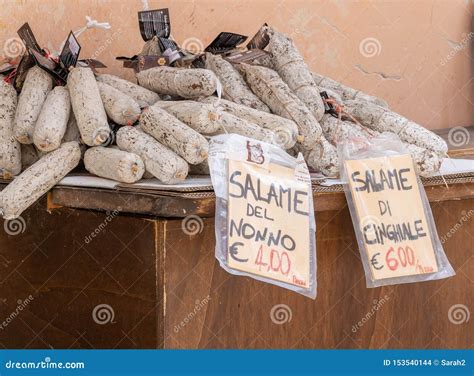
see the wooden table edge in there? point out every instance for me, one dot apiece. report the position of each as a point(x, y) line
point(181, 206)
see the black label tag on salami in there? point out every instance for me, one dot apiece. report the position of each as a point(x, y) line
point(259, 40)
point(70, 53)
point(28, 38)
point(245, 56)
point(143, 62)
point(50, 66)
point(199, 61)
point(147, 62)
point(154, 23)
point(225, 42)
point(26, 62)
point(166, 43)
point(129, 62)
point(328, 107)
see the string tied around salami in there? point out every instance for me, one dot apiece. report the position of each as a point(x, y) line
point(216, 104)
point(90, 24)
point(8, 79)
point(337, 110)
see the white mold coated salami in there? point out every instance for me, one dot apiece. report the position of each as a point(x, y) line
point(35, 89)
point(121, 108)
point(383, 120)
point(87, 106)
point(234, 88)
point(52, 120)
point(174, 134)
point(184, 82)
point(232, 124)
point(270, 88)
point(142, 96)
point(160, 161)
point(10, 154)
point(292, 68)
point(199, 116)
point(286, 130)
point(38, 179)
point(115, 164)
point(426, 161)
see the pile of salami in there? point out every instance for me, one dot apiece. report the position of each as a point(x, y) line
point(162, 125)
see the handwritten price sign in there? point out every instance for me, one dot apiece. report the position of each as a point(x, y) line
point(391, 217)
point(268, 229)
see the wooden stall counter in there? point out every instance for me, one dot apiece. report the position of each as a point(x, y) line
point(103, 268)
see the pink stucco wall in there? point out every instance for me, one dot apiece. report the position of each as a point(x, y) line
point(416, 54)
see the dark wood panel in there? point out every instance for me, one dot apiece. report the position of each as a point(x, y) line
point(134, 265)
point(69, 272)
point(225, 311)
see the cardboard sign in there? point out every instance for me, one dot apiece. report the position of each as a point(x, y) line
point(268, 219)
point(392, 221)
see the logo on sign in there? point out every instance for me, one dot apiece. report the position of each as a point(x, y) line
point(255, 153)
